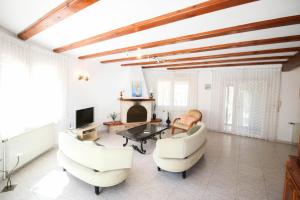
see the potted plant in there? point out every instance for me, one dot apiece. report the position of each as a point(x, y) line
point(168, 121)
point(113, 116)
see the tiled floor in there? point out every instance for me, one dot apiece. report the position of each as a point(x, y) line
point(233, 168)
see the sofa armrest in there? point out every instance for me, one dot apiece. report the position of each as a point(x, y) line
point(170, 148)
point(114, 158)
point(95, 157)
point(181, 147)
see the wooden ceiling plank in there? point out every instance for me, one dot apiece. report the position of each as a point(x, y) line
point(220, 61)
point(284, 21)
point(61, 12)
point(275, 40)
point(292, 63)
point(192, 11)
point(226, 55)
point(226, 65)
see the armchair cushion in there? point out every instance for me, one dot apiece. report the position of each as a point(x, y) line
point(179, 125)
point(195, 113)
point(187, 119)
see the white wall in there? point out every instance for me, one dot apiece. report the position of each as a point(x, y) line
point(103, 88)
point(290, 104)
point(204, 77)
point(101, 91)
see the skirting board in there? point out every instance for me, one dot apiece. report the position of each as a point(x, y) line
point(277, 141)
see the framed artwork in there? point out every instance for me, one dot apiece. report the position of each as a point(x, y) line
point(136, 88)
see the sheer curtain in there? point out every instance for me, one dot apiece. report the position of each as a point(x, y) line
point(33, 85)
point(245, 101)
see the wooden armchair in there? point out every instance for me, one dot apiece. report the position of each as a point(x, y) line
point(187, 120)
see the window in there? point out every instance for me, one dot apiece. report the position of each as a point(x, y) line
point(164, 93)
point(31, 96)
point(245, 108)
point(229, 91)
point(242, 106)
point(244, 101)
point(173, 93)
point(14, 97)
point(181, 92)
point(32, 87)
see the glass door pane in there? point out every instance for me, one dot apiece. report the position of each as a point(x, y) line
point(229, 94)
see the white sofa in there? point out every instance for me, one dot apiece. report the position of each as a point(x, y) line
point(97, 165)
point(180, 152)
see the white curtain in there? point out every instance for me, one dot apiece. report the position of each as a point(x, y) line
point(245, 101)
point(33, 85)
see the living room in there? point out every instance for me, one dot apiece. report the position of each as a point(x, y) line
point(196, 99)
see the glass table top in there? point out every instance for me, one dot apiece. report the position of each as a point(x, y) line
point(143, 131)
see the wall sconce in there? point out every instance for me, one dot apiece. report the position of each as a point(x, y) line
point(83, 77)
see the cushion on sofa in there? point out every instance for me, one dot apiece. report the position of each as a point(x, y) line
point(193, 130)
point(180, 135)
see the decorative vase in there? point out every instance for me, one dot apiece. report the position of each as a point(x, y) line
point(168, 121)
point(153, 116)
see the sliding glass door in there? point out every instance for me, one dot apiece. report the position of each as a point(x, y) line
point(244, 102)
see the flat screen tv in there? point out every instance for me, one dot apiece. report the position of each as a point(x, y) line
point(84, 117)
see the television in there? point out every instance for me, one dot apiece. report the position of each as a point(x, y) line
point(84, 117)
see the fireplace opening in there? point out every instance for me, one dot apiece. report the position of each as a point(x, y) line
point(137, 113)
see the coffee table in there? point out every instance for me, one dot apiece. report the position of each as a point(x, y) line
point(142, 134)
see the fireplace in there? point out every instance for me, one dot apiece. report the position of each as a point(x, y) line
point(136, 113)
point(135, 110)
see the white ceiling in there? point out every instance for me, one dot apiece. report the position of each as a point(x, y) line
point(106, 15)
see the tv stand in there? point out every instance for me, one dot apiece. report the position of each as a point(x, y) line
point(88, 132)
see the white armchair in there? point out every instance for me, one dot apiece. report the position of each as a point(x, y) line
point(97, 165)
point(180, 152)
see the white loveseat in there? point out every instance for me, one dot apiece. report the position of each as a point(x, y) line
point(97, 165)
point(180, 152)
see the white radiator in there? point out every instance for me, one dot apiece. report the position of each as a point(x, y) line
point(29, 145)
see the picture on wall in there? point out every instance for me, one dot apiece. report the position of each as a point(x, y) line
point(136, 88)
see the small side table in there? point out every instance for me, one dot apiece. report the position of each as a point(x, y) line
point(156, 121)
point(113, 126)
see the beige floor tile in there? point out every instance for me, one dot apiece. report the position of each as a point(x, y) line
point(233, 168)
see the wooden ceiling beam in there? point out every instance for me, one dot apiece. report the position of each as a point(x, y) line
point(219, 61)
point(275, 40)
point(226, 55)
point(284, 21)
point(292, 63)
point(226, 65)
point(192, 11)
point(61, 12)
